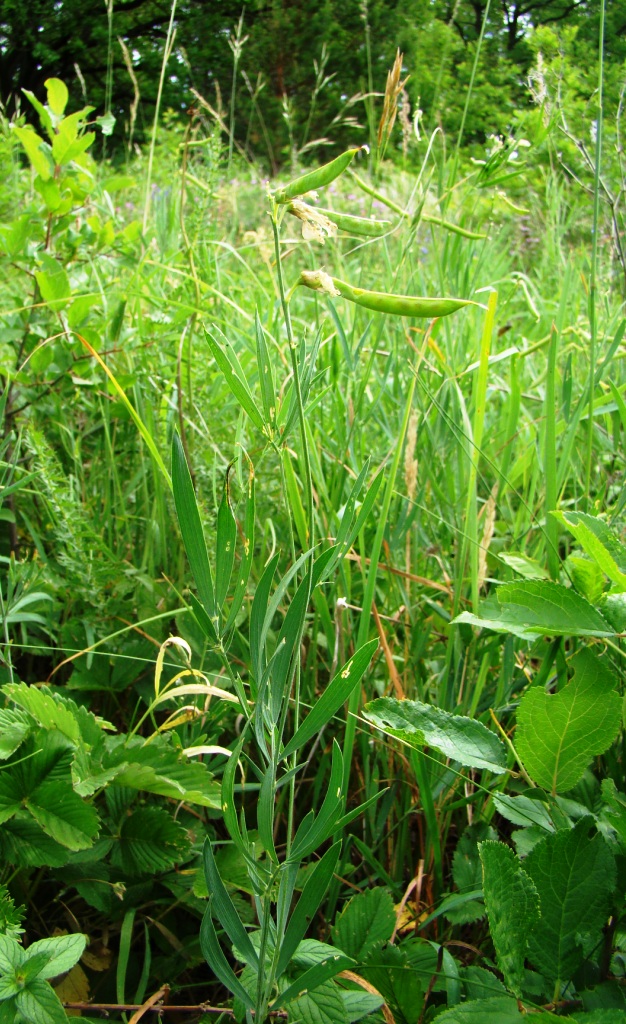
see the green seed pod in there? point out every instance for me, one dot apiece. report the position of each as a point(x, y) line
point(316, 179)
point(400, 305)
point(357, 225)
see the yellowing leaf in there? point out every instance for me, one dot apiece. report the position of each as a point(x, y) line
point(73, 989)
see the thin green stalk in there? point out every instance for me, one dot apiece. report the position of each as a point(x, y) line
point(549, 459)
point(468, 97)
point(470, 536)
point(370, 585)
point(236, 45)
point(594, 256)
point(108, 88)
point(308, 487)
point(169, 45)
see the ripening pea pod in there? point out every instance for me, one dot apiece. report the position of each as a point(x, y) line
point(318, 178)
point(382, 302)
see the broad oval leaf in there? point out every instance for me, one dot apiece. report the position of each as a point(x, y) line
point(574, 874)
point(422, 725)
point(62, 952)
point(558, 734)
point(532, 608)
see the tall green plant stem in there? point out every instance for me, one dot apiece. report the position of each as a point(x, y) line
point(468, 98)
point(308, 485)
point(470, 535)
point(236, 46)
point(169, 44)
point(594, 254)
point(550, 458)
point(370, 583)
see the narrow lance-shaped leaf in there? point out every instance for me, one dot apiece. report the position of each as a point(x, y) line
point(316, 829)
point(307, 906)
point(222, 907)
point(314, 977)
point(230, 366)
point(191, 528)
point(214, 956)
point(243, 571)
point(266, 377)
point(225, 541)
point(334, 696)
point(257, 618)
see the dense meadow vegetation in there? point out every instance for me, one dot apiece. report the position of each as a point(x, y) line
point(313, 563)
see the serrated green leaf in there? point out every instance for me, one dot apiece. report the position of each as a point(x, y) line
point(158, 768)
point(512, 904)
point(367, 921)
point(333, 697)
point(614, 611)
point(9, 988)
point(587, 577)
point(12, 954)
point(531, 608)
point(402, 988)
point(65, 816)
point(322, 1006)
point(23, 842)
point(61, 952)
point(467, 872)
point(14, 728)
point(527, 567)
point(479, 983)
point(49, 710)
point(419, 725)
point(497, 1010)
point(39, 1004)
point(600, 542)
point(149, 841)
point(574, 874)
point(558, 734)
point(360, 1004)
